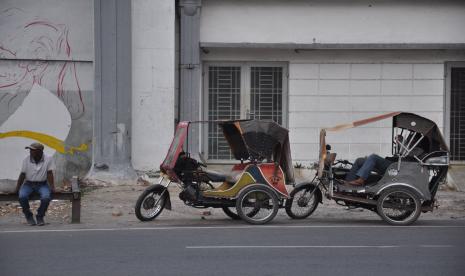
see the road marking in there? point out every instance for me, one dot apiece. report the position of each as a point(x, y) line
point(436, 245)
point(289, 246)
point(310, 246)
point(221, 228)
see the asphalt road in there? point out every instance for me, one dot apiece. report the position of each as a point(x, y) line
point(431, 248)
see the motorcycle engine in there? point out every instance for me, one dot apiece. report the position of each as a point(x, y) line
point(189, 194)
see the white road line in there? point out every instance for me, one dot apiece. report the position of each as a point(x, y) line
point(436, 245)
point(29, 230)
point(289, 246)
point(312, 246)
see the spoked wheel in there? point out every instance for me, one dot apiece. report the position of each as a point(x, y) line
point(257, 204)
point(303, 201)
point(151, 202)
point(399, 206)
point(231, 212)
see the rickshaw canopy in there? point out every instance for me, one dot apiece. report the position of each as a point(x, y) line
point(254, 140)
point(259, 140)
point(416, 123)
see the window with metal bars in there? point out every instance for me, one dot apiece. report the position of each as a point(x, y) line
point(457, 114)
point(241, 91)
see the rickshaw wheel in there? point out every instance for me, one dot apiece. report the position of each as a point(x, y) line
point(303, 202)
point(257, 204)
point(399, 206)
point(150, 203)
point(230, 212)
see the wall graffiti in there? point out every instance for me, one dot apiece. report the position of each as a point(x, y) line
point(40, 90)
point(44, 58)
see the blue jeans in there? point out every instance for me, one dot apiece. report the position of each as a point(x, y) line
point(363, 166)
point(27, 189)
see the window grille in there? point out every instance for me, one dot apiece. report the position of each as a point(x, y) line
point(266, 89)
point(457, 114)
point(224, 91)
point(239, 92)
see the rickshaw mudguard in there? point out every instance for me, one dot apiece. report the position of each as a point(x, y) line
point(317, 192)
point(411, 175)
point(167, 193)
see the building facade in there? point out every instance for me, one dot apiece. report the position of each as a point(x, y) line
point(304, 64)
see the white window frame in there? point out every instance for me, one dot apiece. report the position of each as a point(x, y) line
point(245, 100)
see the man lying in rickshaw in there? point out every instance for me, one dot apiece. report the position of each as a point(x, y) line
point(364, 166)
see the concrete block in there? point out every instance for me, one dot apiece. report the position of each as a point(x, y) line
point(334, 87)
point(335, 103)
point(305, 151)
point(303, 119)
point(365, 103)
point(304, 135)
point(428, 87)
point(364, 135)
point(395, 103)
point(303, 71)
point(385, 149)
point(397, 71)
point(365, 71)
point(303, 103)
point(396, 87)
point(303, 87)
point(365, 87)
point(428, 71)
point(386, 133)
point(334, 71)
point(427, 103)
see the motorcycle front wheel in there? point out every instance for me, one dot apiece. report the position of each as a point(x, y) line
point(151, 202)
point(303, 201)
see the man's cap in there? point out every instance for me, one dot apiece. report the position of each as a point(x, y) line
point(35, 146)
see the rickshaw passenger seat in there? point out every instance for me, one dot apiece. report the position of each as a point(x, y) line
point(215, 176)
point(233, 177)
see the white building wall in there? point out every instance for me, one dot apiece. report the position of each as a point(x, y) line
point(330, 87)
point(323, 21)
point(153, 30)
point(324, 95)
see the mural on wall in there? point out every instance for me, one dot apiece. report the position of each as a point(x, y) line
point(40, 90)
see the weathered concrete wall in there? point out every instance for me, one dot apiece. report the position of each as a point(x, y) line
point(153, 34)
point(334, 21)
point(46, 83)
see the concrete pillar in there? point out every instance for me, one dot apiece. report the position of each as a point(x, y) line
point(153, 85)
point(112, 105)
point(190, 70)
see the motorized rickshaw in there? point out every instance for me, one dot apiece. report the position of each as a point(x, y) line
point(420, 161)
point(253, 191)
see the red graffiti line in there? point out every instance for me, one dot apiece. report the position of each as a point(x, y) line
point(41, 23)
